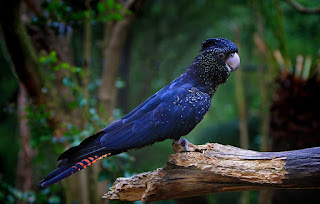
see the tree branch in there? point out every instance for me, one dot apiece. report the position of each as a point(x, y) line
point(303, 9)
point(213, 168)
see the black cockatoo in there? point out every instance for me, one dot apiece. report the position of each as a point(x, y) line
point(170, 113)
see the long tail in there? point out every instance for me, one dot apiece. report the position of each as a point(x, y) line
point(67, 170)
point(77, 158)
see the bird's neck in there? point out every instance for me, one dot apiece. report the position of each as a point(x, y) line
point(206, 81)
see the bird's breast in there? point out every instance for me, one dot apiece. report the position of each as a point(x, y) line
point(195, 101)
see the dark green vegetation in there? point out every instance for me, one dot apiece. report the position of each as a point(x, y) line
point(152, 42)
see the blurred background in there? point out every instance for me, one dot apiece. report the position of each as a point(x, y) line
point(70, 67)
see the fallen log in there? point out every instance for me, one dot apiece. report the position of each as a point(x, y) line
point(213, 168)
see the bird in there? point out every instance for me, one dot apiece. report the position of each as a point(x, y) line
point(170, 113)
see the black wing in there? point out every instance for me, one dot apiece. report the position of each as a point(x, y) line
point(170, 113)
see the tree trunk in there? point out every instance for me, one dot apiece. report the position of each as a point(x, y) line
point(213, 168)
point(112, 57)
point(21, 51)
point(24, 167)
point(115, 37)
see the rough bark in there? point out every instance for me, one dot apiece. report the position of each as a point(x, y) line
point(213, 168)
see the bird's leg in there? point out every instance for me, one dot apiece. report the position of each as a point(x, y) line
point(181, 141)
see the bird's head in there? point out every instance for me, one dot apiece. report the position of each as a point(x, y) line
point(219, 57)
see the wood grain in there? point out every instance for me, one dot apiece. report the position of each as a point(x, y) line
point(213, 168)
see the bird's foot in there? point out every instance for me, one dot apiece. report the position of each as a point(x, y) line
point(182, 141)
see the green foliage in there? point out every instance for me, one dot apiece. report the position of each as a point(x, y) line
point(42, 136)
point(62, 12)
point(11, 195)
point(288, 26)
point(72, 77)
point(51, 62)
point(38, 122)
point(73, 134)
point(51, 59)
point(109, 10)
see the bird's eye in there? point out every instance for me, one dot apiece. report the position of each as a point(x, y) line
point(221, 55)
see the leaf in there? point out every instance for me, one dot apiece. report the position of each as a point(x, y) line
point(42, 59)
point(65, 65)
point(67, 82)
point(119, 7)
point(76, 70)
point(72, 105)
point(120, 83)
point(115, 16)
point(54, 199)
point(56, 68)
point(83, 102)
point(128, 12)
point(53, 57)
point(101, 7)
point(111, 4)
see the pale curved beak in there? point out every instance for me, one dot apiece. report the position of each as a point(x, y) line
point(233, 62)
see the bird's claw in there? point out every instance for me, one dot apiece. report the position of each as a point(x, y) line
point(182, 141)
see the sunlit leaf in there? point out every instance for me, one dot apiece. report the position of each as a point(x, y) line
point(65, 65)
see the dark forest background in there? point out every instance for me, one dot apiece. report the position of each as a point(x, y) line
point(70, 67)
